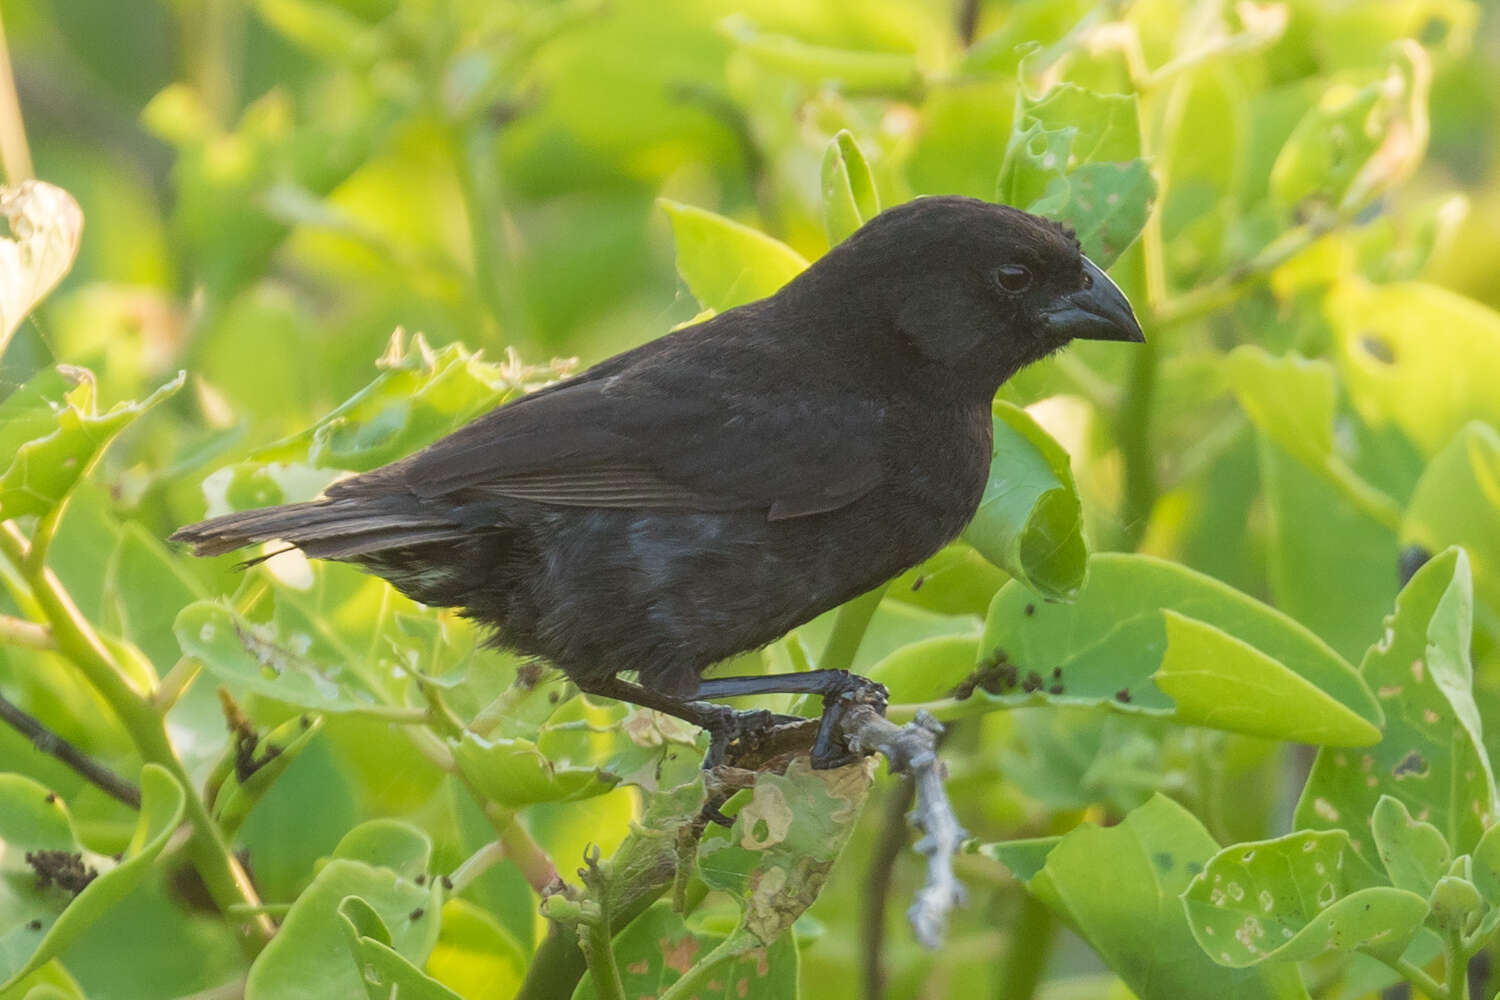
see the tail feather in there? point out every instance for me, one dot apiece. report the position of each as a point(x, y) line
point(324, 529)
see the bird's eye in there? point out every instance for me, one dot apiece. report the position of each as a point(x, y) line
point(1011, 278)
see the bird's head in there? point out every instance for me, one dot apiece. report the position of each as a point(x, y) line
point(980, 288)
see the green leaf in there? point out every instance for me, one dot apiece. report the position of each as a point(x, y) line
point(1457, 502)
point(281, 664)
point(475, 956)
point(1416, 356)
point(39, 923)
point(1295, 898)
point(1118, 886)
point(657, 948)
point(47, 225)
point(310, 955)
point(1219, 681)
point(784, 842)
point(1414, 853)
point(1457, 907)
point(724, 263)
point(1142, 629)
point(1431, 756)
point(44, 470)
point(1107, 205)
point(851, 71)
point(849, 196)
point(1024, 858)
point(1030, 521)
point(385, 972)
point(514, 773)
point(924, 670)
point(1486, 866)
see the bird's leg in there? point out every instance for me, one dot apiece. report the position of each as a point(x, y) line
point(839, 689)
point(723, 724)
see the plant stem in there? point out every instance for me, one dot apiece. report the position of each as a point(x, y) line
point(1419, 978)
point(175, 683)
point(520, 848)
point(1033, 931)
point(76, 639)
point(475, 865)
point(878, 885)
point(849, 625)
point(1135, 445)
point(20, 632)
point(1458, 967)
point(15, 154)
point(50, 743)
point(599, 952)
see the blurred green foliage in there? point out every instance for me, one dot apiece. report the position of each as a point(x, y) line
point(1301, 197)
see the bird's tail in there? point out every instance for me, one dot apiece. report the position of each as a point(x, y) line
point(338, 528)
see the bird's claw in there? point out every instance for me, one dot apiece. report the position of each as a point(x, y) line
point(829, 751)
point(730, 728)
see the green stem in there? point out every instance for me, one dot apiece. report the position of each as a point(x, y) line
point(20, 632)
point(175, 684)
point(1135, 446)
point(474, 866)
point(76, 639)
point(1419, 978)
point(522, 850)
point(1458, 967)
point(599, 952)
point(1032, 934)
point(849, 625)
point(696, 979)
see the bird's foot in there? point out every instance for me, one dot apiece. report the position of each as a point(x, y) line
point(829, 750)
point(730, 729)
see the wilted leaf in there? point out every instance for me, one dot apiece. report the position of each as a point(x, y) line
point(1295, 898)
point(46, 225)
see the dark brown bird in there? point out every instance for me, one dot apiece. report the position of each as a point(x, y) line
point(703, 494)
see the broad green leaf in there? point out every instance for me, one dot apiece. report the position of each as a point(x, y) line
point(1107, 205)
point(1295, 898)
point(385, 972)
point(1115, 646)
point(1226, 683)
point(310, 955)
point(784, 842)
point(1030, 521)
point(514, 773)
point(326, 30)
point(1431, 756)
point(849, 196)
point(657, 948)
point(41, 922)
point(388, 843)
point(1456, 905)
point(1486, 866)
point(281, 665)
point(725, 263)
point(1416, 356)
point(1414, 853)
point(44, 470)
point(475, 956)
point(1024, 858)
point(850, 70)
point(1118, 887)
point(921, 671)
point(420, 394)
point(46, 225)
point(1457, 502)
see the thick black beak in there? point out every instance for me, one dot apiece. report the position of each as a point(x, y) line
point(1098, 312)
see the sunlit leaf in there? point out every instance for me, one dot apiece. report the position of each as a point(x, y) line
point(46, 225)
point(849, 196)
point(725, 263)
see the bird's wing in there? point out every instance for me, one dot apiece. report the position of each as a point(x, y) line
point(646, 443)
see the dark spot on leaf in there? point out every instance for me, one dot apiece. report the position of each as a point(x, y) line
point(417, 913)
point(554, 697)
point(1378, 348)
point(1193, 867)
point(1055, 689)
point(917, 583)
point(1123, 695)
point(1057, 673)
point(1030, 610)
point(996, 677)
point(51, 798)
point(447, 882)
point(1413, 764)
point(420, 879)
point(1434, 31)
point(64, 869)
point(1164, 860)
point(1033, 682)
point(35, 925)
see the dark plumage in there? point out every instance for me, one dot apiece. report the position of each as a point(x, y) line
point(706, 492)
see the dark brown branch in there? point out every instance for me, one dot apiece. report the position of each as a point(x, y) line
point(54, 745)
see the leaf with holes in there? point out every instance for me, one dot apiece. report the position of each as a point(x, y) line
point(1416, 356)
point(725, 263)
point(1295, 898)
point(784, 842)
point(1431, 756)
point(1118, 886)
